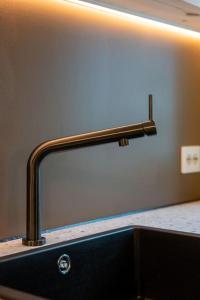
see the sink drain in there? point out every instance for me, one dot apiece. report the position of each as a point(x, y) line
point(64, 264)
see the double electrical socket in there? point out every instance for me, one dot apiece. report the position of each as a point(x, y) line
point(190, 159)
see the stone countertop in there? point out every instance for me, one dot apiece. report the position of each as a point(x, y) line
point(183, 217)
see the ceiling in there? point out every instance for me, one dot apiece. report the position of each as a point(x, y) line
point(178, 12)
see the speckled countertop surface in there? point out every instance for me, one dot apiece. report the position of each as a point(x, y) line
point(182, 217)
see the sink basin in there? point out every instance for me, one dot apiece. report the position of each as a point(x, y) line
point(126, 264)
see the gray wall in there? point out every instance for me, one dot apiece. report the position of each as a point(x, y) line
point(66, 70)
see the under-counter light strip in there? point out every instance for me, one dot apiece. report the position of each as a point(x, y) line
point(135, 18)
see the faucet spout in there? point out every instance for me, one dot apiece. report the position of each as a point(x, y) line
point(118, 134)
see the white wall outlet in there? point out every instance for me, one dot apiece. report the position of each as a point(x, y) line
point(190, 159)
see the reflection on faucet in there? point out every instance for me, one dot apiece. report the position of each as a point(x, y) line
point(119, 134)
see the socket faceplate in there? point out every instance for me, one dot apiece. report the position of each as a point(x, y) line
point(190, 159)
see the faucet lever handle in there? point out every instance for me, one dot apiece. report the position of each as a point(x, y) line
point(150, 107)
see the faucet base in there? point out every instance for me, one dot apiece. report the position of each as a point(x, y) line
point(40, 242)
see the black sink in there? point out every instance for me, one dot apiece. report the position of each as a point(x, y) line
point(126, 264)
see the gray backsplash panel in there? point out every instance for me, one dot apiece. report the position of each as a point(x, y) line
point(66, 70)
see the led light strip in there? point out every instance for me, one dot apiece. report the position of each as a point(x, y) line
point(134, 18)
point(193, 2)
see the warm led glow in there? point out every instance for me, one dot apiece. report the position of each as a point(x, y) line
point(136, 19)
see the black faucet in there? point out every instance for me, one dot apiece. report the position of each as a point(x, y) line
point(119, 134)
